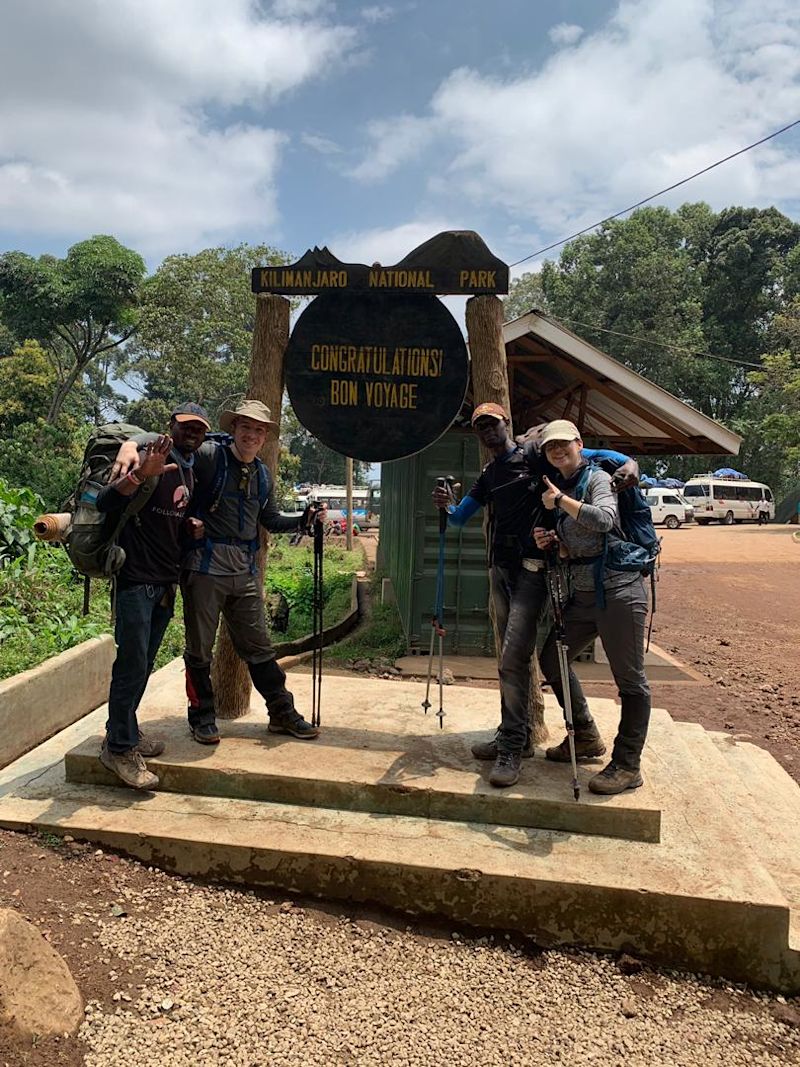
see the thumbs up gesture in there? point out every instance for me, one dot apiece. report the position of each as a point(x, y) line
point(549, 495)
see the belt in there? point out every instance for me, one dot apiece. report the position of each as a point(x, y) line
point(533, 564)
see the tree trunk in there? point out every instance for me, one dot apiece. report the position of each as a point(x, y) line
point(490, 384)
point(230, 676)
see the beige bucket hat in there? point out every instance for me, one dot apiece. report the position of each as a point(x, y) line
point(250, 409)
point(559, 430)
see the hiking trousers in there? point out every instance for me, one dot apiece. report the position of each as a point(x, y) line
point(621, 627)
point(239, 600)
point(142, 616)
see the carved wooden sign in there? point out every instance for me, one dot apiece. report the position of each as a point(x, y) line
point(454, 262)
point(374, 375)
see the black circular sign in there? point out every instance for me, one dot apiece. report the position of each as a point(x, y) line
point(376, 376)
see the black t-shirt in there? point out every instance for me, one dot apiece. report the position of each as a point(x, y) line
point(510, 487)
point(152, 538)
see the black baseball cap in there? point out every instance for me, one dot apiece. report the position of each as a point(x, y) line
point(190, 413)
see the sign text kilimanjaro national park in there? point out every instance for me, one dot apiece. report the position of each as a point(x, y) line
point(376, 366)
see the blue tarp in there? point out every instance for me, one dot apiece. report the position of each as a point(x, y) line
point(729, 472)
point(660, 483)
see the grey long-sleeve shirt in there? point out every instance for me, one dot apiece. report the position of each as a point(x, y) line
point(585, 536)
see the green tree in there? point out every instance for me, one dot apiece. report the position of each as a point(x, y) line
point(524, 294)
point(78, 308)
point(318, 464)
point(193, 341)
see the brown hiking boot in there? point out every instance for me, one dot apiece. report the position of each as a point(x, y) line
point(488, 749)
point(149, 747)
point(614, 779)
point(129, 767)
point(506, 769)
point(588, 745)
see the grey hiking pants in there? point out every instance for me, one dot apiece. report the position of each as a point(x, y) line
point(238, 598)
point(621, 626)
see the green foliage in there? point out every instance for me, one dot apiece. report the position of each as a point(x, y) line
point(702, 281)
point(80, 309)
point(524, 294)
point(290, 571)
point(380, 634)
point(18, 511)
point(47, 457)
point(195, 330)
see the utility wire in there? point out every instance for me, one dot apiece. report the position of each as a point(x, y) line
point(661, 192)
point(664, 344)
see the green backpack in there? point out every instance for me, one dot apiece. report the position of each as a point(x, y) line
point(91, 543)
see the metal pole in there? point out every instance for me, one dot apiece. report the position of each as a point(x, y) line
point(555, 587)
point(348, 467)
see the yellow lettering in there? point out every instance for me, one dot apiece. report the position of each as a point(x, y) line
point(463, 275)
point(344, 393)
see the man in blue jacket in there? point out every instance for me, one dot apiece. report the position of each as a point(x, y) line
point(510, 487)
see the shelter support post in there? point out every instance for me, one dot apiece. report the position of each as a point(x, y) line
point(490, 383)
point(230, 676)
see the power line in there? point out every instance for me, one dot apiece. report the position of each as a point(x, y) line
point(664, 344)
point(661, 192)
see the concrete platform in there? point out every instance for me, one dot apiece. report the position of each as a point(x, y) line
point(661, 667)
point(378, 753)
point(713, 893)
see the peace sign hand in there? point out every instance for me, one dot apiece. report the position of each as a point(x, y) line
point(550, 494)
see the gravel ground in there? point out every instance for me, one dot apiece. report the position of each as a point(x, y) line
point(233, 979)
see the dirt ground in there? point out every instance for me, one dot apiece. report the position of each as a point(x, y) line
point(728, 605)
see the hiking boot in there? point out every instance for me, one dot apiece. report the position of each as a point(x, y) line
point(292, 722)
point(506, 769)
point(129, 767)
point(149, 747)
point(614, 779)
point(488, 749)
point(205, 733)
point(588, 745)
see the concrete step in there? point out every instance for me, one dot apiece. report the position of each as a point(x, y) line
point(765, 802)
point(681, 902)
point(388, 759)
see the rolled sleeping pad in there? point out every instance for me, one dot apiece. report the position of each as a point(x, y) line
point(52, 527)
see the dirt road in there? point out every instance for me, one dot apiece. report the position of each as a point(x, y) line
point(728, 604)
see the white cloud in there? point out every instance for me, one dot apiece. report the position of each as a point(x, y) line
point(123, 128)
point(664, 88)
point(394, 142)
point(565, 33)
point(323, 145)
point(389, 244)
point(377, 13)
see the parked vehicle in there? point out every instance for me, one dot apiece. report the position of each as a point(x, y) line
point(669, 507)
point(728, 500)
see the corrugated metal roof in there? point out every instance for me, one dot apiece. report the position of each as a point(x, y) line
point(554, 374)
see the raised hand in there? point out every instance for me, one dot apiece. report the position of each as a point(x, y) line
point(154, 461)
point(550, 494)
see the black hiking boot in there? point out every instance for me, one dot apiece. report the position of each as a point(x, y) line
point(614, 779)
point(205, 733)
point(488, 749)
point(292, 722)
point(588, 745)
point(506, 769)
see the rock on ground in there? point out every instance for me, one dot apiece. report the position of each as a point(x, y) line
point(38, 995)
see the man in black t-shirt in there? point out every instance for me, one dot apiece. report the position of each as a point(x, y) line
point(510, 487)
point(152, 542)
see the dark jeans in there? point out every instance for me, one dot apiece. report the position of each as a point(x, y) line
point(238, 598)
point(519, 596)
point(621, 626)
point(143, 612)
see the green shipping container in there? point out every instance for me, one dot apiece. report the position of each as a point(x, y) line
point(409, 545)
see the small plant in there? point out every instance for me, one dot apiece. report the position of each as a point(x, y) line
point(19, 509)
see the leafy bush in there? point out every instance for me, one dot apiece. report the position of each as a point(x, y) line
point(19, 509)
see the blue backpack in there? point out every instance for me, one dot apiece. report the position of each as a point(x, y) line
point(639, 546)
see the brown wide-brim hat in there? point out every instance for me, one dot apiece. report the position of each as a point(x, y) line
point(249, 409)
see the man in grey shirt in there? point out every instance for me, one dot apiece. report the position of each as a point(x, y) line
point(233, 498)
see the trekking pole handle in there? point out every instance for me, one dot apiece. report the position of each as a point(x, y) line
point(449, 484)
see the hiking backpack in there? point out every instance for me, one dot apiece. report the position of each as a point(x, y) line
point(91, 542)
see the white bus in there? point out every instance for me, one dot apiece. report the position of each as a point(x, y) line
point(366, 501)
point(728, 500)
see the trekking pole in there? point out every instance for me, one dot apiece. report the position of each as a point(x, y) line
point(554, 575)
point(317, 610)
point(437, 627)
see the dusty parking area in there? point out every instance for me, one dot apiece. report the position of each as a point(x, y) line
point(748, 544)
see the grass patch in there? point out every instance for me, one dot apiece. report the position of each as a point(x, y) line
point(41, 602)
point(379, 636)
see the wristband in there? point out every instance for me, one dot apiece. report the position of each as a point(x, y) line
point(134, 479)
point(558, 499)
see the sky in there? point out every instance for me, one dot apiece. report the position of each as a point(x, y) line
point(179, 124)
